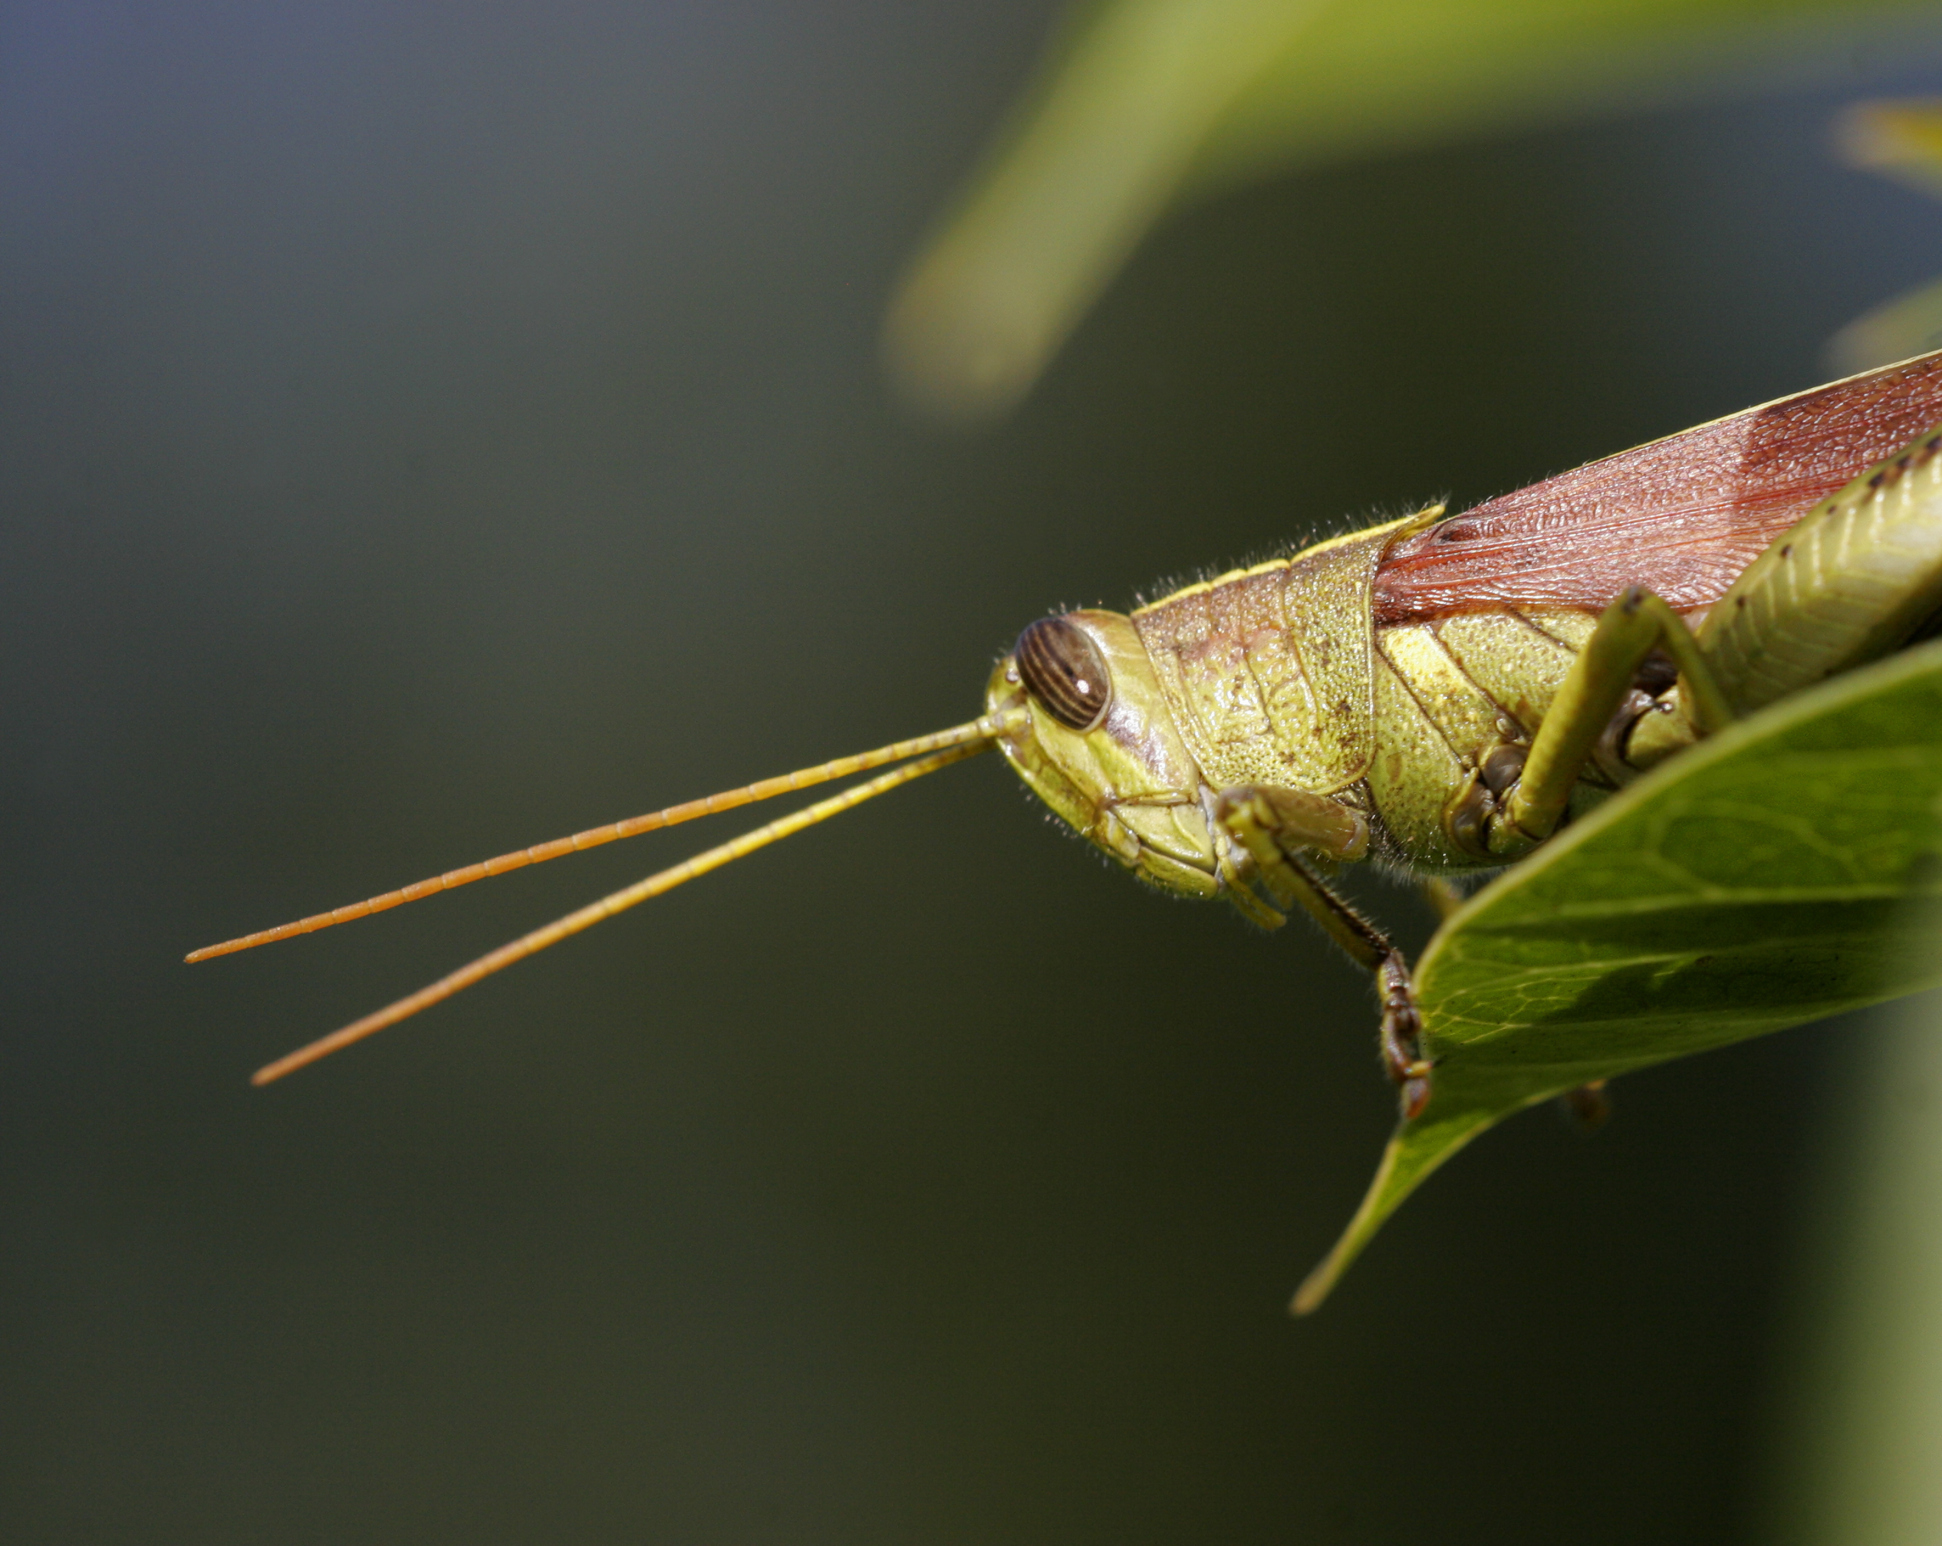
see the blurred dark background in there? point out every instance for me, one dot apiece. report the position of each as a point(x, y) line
point(425, 430)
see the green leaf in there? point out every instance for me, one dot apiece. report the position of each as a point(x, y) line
point(1757, 881)
point(1146, 102)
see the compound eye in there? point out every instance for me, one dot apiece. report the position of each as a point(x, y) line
point(1063, 669)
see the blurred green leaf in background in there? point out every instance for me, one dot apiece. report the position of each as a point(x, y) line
point(1902, 140)
point(1142, 104)
point(1858, 1461)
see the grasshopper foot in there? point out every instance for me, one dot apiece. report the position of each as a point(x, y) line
point(1402, 1036)
point(1588, 1106)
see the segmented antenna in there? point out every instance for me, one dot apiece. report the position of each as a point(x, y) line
point(593, 837)
point(931, 753)
point(608, 906)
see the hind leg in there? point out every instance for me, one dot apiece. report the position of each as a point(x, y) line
point(1518, 798)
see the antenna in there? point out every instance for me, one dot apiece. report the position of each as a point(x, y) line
point(983, 729)
point(937, 750)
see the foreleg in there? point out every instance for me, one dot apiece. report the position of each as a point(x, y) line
point(1278, 828)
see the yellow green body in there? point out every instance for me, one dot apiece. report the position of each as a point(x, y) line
point(1408, 743)
point(1277, 676)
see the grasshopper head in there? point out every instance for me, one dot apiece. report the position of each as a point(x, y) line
point(1097, 744)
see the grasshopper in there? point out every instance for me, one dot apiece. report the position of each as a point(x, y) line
point(1438, 694)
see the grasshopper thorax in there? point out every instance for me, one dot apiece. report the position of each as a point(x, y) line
point(1089, 731)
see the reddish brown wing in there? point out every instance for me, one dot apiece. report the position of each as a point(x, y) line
point(1681, 516)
